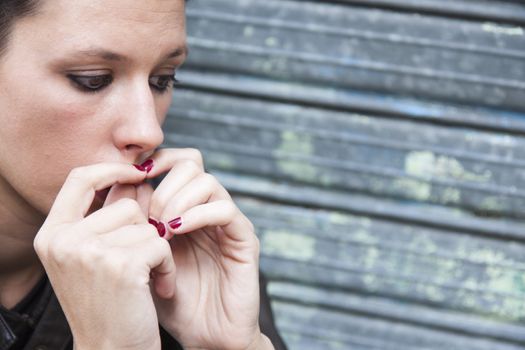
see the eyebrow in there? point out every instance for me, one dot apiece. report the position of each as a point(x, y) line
point(113, 56)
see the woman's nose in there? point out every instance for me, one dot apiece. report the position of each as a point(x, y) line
point(139, 127)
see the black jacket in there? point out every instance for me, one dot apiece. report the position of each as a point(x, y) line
point(41, 324)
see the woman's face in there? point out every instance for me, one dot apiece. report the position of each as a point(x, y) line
point(82, 82)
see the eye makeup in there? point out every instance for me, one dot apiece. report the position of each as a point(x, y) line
point(96, 83)
point(90, 83)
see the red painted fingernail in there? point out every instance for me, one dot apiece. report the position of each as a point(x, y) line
point(153, 222)
point(175, 223)
point(139, 167)
point(161, 228)
point(147, 165)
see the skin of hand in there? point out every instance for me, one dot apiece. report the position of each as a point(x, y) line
point(211, 302)
point(100, 264)
point(216, 299)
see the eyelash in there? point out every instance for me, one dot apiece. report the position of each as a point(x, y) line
point(107, 79)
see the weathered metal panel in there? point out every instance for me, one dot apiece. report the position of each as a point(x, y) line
point(359, 48)
point(473, 169)
point(378, 147)
point(505, 11)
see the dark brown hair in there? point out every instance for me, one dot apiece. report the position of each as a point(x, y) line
point(10, 11)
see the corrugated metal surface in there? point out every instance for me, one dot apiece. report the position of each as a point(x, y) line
point(378, 146)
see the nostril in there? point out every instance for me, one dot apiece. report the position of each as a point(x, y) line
point(132, 147)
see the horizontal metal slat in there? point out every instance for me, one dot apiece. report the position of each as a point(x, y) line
point(352, 101)
point(508, 12)
point(377, 307)
point(344, 329)
point(355, 152)
point(447, 268)
point(281, 52)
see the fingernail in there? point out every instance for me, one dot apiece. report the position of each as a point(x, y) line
point(139, 167)
point(153, 222)
point(147, 165)
point(175, 223)
point(161, 228)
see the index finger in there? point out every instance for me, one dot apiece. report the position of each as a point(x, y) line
point(78, 191)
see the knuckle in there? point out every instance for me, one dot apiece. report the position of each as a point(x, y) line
point(77, 173)
point(39, 245)
point(157, 202)
point(149, 230)
point(196, 155)
point(91, 253)
point(230, 209)
point(164, 246)
point(59, 252)
point(209, 180)
point(250, 226)
point(191, 166)
point(115, 264)
point(131, 206)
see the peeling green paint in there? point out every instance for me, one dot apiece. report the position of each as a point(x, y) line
point(338, 218)
point(427, 165)
point(248, 31)
point(492, 203)
point(487, 256)
point(502, 280)
point(511, 282)
point(326, 180)
point(296, 144)
point(222, 160)
point(519, 282)
point(298, 170)
point(371, 282)
point(415, 189)
point(450, 195)
point(371, 257)
point(433, 293)
point(423, 244)
point(288, 245)
point(271, 41)
point(363, 236)
point(499, 29)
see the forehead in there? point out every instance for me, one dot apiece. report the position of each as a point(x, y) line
point(126, 24)
point(148, 11)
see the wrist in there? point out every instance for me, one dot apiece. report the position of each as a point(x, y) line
point(110, 346)
point(262, 343)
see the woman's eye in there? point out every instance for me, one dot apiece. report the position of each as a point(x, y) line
point(162, 82)
point(91, 83)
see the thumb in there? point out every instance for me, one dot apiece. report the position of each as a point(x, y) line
point(144, 193)
point(120, 191)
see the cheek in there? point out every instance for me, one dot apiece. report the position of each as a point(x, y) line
point(46, 133)
point(163, 103)
point(51, 126)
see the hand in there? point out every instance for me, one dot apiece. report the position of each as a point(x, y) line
point(216, 299)
point(100, 264)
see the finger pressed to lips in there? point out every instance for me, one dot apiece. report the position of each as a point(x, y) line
point(164, 159)
point(77, 194)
